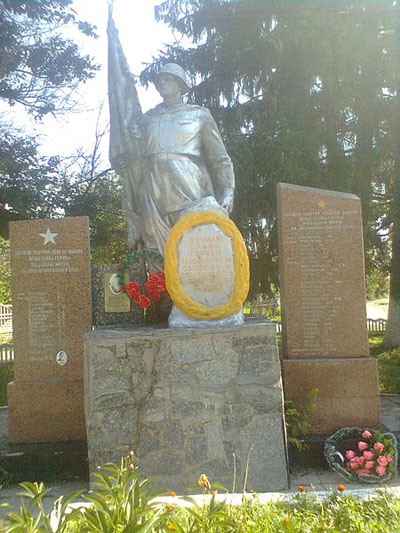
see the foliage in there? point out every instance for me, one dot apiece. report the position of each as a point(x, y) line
point(388, 366)
point(5, 273)
point(213, 516)
point(389, 371)
point(268, 307)
point(121, 501)
point(377, 284)
point(6, 375)
point(296, 419)
point(39, 68)
point(303, 92)
point(26, 180)
point(6, 338)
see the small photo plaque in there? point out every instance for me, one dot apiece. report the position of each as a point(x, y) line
point(62, 358)
point(114, 302)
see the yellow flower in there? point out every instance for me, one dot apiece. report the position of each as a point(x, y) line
point(341, 488)
point(287, 520)
point(302, 488)
point(170, 508)
point(169, 526)
point(172, 493)
point(204, 482)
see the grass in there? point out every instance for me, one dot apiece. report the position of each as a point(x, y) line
point(388, 366)
point(124, 501)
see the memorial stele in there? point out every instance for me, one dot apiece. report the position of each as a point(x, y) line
point(50, 282)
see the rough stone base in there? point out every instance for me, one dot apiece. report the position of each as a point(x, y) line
point(46, 412)
point(185, 401)
point(348, 391)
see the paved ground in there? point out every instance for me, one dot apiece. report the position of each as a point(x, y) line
point(315, 481)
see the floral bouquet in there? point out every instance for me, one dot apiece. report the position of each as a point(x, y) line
point(363, 455)
point(152, 296)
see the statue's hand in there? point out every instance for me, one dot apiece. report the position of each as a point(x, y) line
point(226, 199)
point(121, 164)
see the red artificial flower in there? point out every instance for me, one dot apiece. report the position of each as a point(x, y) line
point(154, 294)
point(149, 286)
point(144, 301)
point(153, 315)
point(157, 280)
point(134, 290)
point(119, 266)
point(124, 288)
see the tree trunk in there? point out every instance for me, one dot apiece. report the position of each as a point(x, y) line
point(392, 335)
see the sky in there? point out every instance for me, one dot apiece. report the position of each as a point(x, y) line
point(141, 37)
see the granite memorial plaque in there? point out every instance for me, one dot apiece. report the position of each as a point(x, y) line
point(322, 273)
point(50, 280)
point(325, 340)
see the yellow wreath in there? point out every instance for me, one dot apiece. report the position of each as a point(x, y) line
point(241, 263)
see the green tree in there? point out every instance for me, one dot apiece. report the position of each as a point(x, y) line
point(39, 69)
point(26, 180)
point(38, 66)
point(304, 92)
point(88, 187)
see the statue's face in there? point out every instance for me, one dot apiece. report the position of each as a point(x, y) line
point(168, 85)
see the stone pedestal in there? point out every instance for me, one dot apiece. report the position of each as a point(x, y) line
point(347, 391)
point(185, 401)
point(46, 412)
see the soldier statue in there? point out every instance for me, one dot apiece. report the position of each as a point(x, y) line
point(172, 157)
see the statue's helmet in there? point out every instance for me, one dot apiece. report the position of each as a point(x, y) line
point(175, 70)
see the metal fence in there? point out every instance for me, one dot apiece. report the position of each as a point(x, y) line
point(6, 353)
point(376, 326)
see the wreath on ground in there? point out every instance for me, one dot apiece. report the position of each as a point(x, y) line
point(362, 455)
